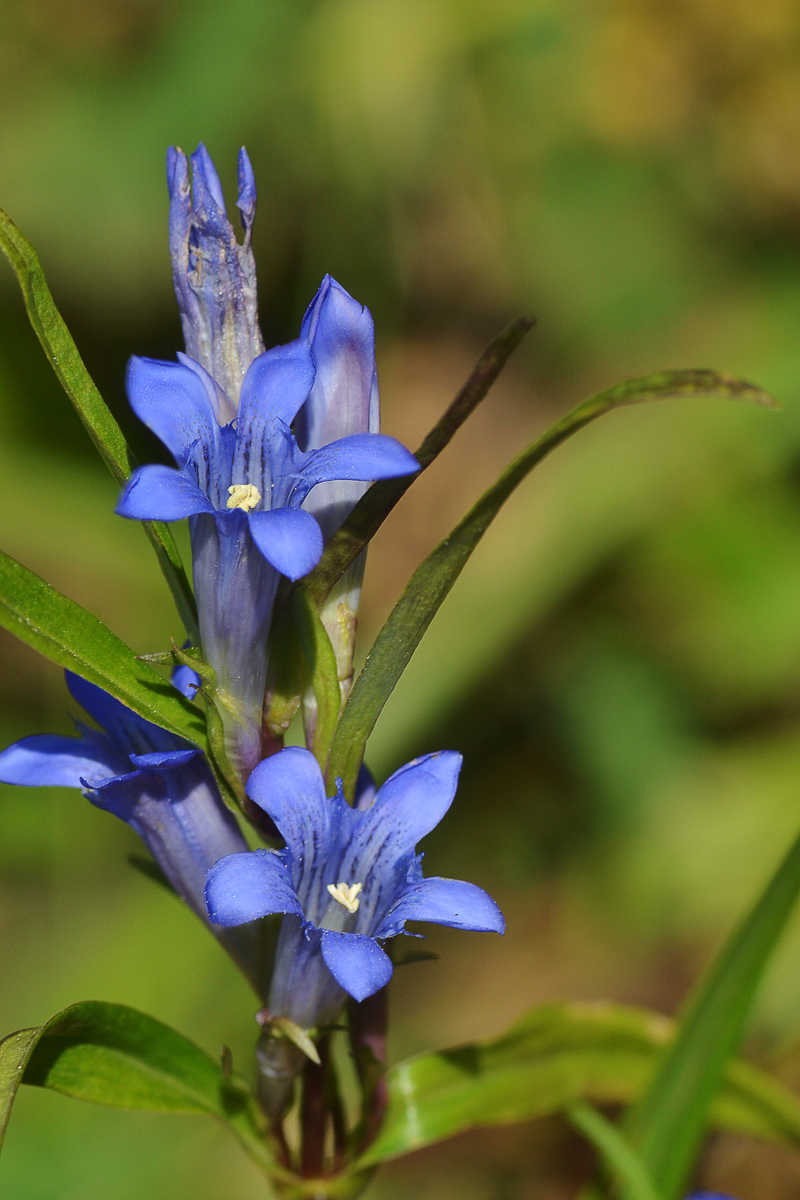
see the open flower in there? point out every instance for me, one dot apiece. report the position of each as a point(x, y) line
point(348, 879)
point(157, 783)
point(246, 471)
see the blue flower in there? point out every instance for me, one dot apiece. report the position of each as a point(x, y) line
point(157, 783)
point(710, 1196)
point(348, 879)
point(248, 473)
point(344, 399)
point(213, 273)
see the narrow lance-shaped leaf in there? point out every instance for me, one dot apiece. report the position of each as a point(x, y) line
point(376, 504)
point(613, 1148)
point(669, 1122)
point(552, 1058)
point(435, 576)
point(114, 1055)
point(63, 355)
point(75, 639)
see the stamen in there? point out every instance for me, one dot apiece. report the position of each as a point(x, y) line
point(244, 495)
point(346, 894)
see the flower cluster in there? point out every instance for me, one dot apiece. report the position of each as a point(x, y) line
point(225, 411)
point(271, 449)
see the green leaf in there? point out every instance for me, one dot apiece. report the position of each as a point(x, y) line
point(75, 639)
point(613, 1148)
point(435, 576)
point(62, 353)
point(668, 1123)
point(321, 671)
point(15, 1050)
point(375, 505)
point(551, 1058)
point(113, 1055)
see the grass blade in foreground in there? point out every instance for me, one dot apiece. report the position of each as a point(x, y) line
point(668, 1124)
point(74, 638)
point(614, 1149)
point(433, 579)
point(113, 1055)
point(375, 505)
point(552, 1057)
point(62, 353)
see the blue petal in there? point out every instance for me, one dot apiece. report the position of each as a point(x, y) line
point(186, 680)
point(179, 199)
point(46, 760)
point(366, 456)
point(290, 789)
point(356, 962)
point(246, 202)
point(344, 399)
point(242, 887)
point(410, 804)
point(103, 708)
point(444, 902)
point(158, 493)
point(288, 538)
point(710, 1196)
point(276, 384)
point(161, 760)
point(178, 402)
point(209, 200)
point(127, 731)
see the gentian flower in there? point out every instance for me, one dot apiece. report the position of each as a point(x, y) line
point(157, 783)
point(710, 1196)
point(240, 475)
point(343, 401)
point(347, 880)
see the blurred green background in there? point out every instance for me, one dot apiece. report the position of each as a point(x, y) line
point(621, 659)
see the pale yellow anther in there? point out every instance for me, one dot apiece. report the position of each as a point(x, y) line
point(244, 495)
point(346, 894)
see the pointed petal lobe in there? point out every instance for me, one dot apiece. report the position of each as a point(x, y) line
point(276, 384)
point(445, 902)
point(365, 456)
point(410, 804)
point(243, 887)
point(176, 402)
point(46, 760)
point(290, 789)
point(158, 493)
point(356, 962)
point(289, 539)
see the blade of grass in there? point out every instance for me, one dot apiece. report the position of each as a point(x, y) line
point(435, 576)
point(667, 1125)
point(615, 1151)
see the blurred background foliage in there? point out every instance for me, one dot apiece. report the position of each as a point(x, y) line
point(620, 661)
